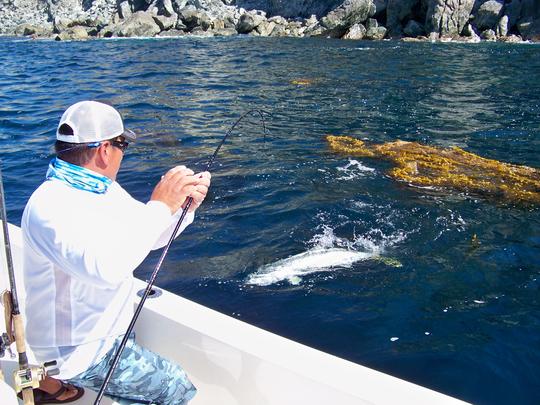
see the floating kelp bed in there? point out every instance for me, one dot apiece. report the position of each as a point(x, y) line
point(450, 168)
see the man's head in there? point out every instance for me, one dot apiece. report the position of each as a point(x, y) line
point(92, 134)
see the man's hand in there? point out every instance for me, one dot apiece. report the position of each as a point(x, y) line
point(200, 190)
point(176, 185)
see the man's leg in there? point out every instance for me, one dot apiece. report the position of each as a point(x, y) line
point(141, 376)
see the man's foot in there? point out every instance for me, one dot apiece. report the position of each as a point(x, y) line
point(53, 391)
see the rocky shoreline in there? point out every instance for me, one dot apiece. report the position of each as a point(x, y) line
point(410, 20)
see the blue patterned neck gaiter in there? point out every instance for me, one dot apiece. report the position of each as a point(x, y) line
point(78, 177)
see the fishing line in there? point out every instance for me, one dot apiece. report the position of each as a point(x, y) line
point(152, 279)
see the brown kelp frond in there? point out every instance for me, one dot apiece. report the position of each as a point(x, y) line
point(450, 168)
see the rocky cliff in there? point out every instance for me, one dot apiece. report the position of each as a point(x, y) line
point(463, 20)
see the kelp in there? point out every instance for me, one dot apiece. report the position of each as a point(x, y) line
point(448, 168)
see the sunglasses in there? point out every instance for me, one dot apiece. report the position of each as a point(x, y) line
point(122, 145)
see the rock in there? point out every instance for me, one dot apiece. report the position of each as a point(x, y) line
point(413, 29)
point(178, 5)
point(291, 8)
point(193, 18)
point(200, 32)
point(398, 11)
point(279, 31)
point(502, 27)
point(512, 39)
point(315, 31)
point(433, 36)
point(374, 31)
point(488, 14)
point(168, 9)
point(357, 31)
point(29, 29)
point(140, 24)
point(311, 21)
point(470, 32)
point(108, 31)
point(165, 23)
point(180, 26)
point(73, 33)
point(217, 24)
point(278, 20)
point(172, 33)
point(350, 12)
point(248, 22)
point(265, 28)
point(448, 17)
point(124, 10)
point(489, 35)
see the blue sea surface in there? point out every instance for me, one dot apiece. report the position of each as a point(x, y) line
point(459, 316)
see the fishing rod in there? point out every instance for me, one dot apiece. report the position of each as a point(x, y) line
point(152, 279)
point(26, 378)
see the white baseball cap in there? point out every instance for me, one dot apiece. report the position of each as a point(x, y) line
point(91, 121)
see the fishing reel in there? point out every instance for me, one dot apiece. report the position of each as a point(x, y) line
point(31, 376)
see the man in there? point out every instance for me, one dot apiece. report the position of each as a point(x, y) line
point(83, 236)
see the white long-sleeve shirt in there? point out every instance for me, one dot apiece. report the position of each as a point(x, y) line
point(79, 253)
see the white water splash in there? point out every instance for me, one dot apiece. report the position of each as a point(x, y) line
point(311, 261)
point(328, 252)
point(353, 170)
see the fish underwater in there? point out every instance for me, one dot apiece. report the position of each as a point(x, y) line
point(314, 260)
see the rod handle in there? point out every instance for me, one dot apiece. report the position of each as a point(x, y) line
point(19, 333)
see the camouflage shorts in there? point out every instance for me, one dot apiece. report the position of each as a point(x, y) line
point(141, 377)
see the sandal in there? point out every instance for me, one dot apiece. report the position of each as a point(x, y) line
point(42, 397)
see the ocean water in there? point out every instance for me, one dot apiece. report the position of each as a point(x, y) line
point(411, 294)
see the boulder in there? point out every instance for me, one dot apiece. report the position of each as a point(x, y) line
point(350, 12)
point(140, 24)
point(489, 35)
point(76, 33)
point(279, 31)
point(374, 31)
point(192, 18)
point(502, 27)
point(357, 31)
point(248, 22)
point(29, 29)
point(448, 17)
point(470, 32)
point(278, 20)
point(413, 29)
point(290, 8)
point(488, 14)
point(265, 28)
point(165, 23)
point(172, 33)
